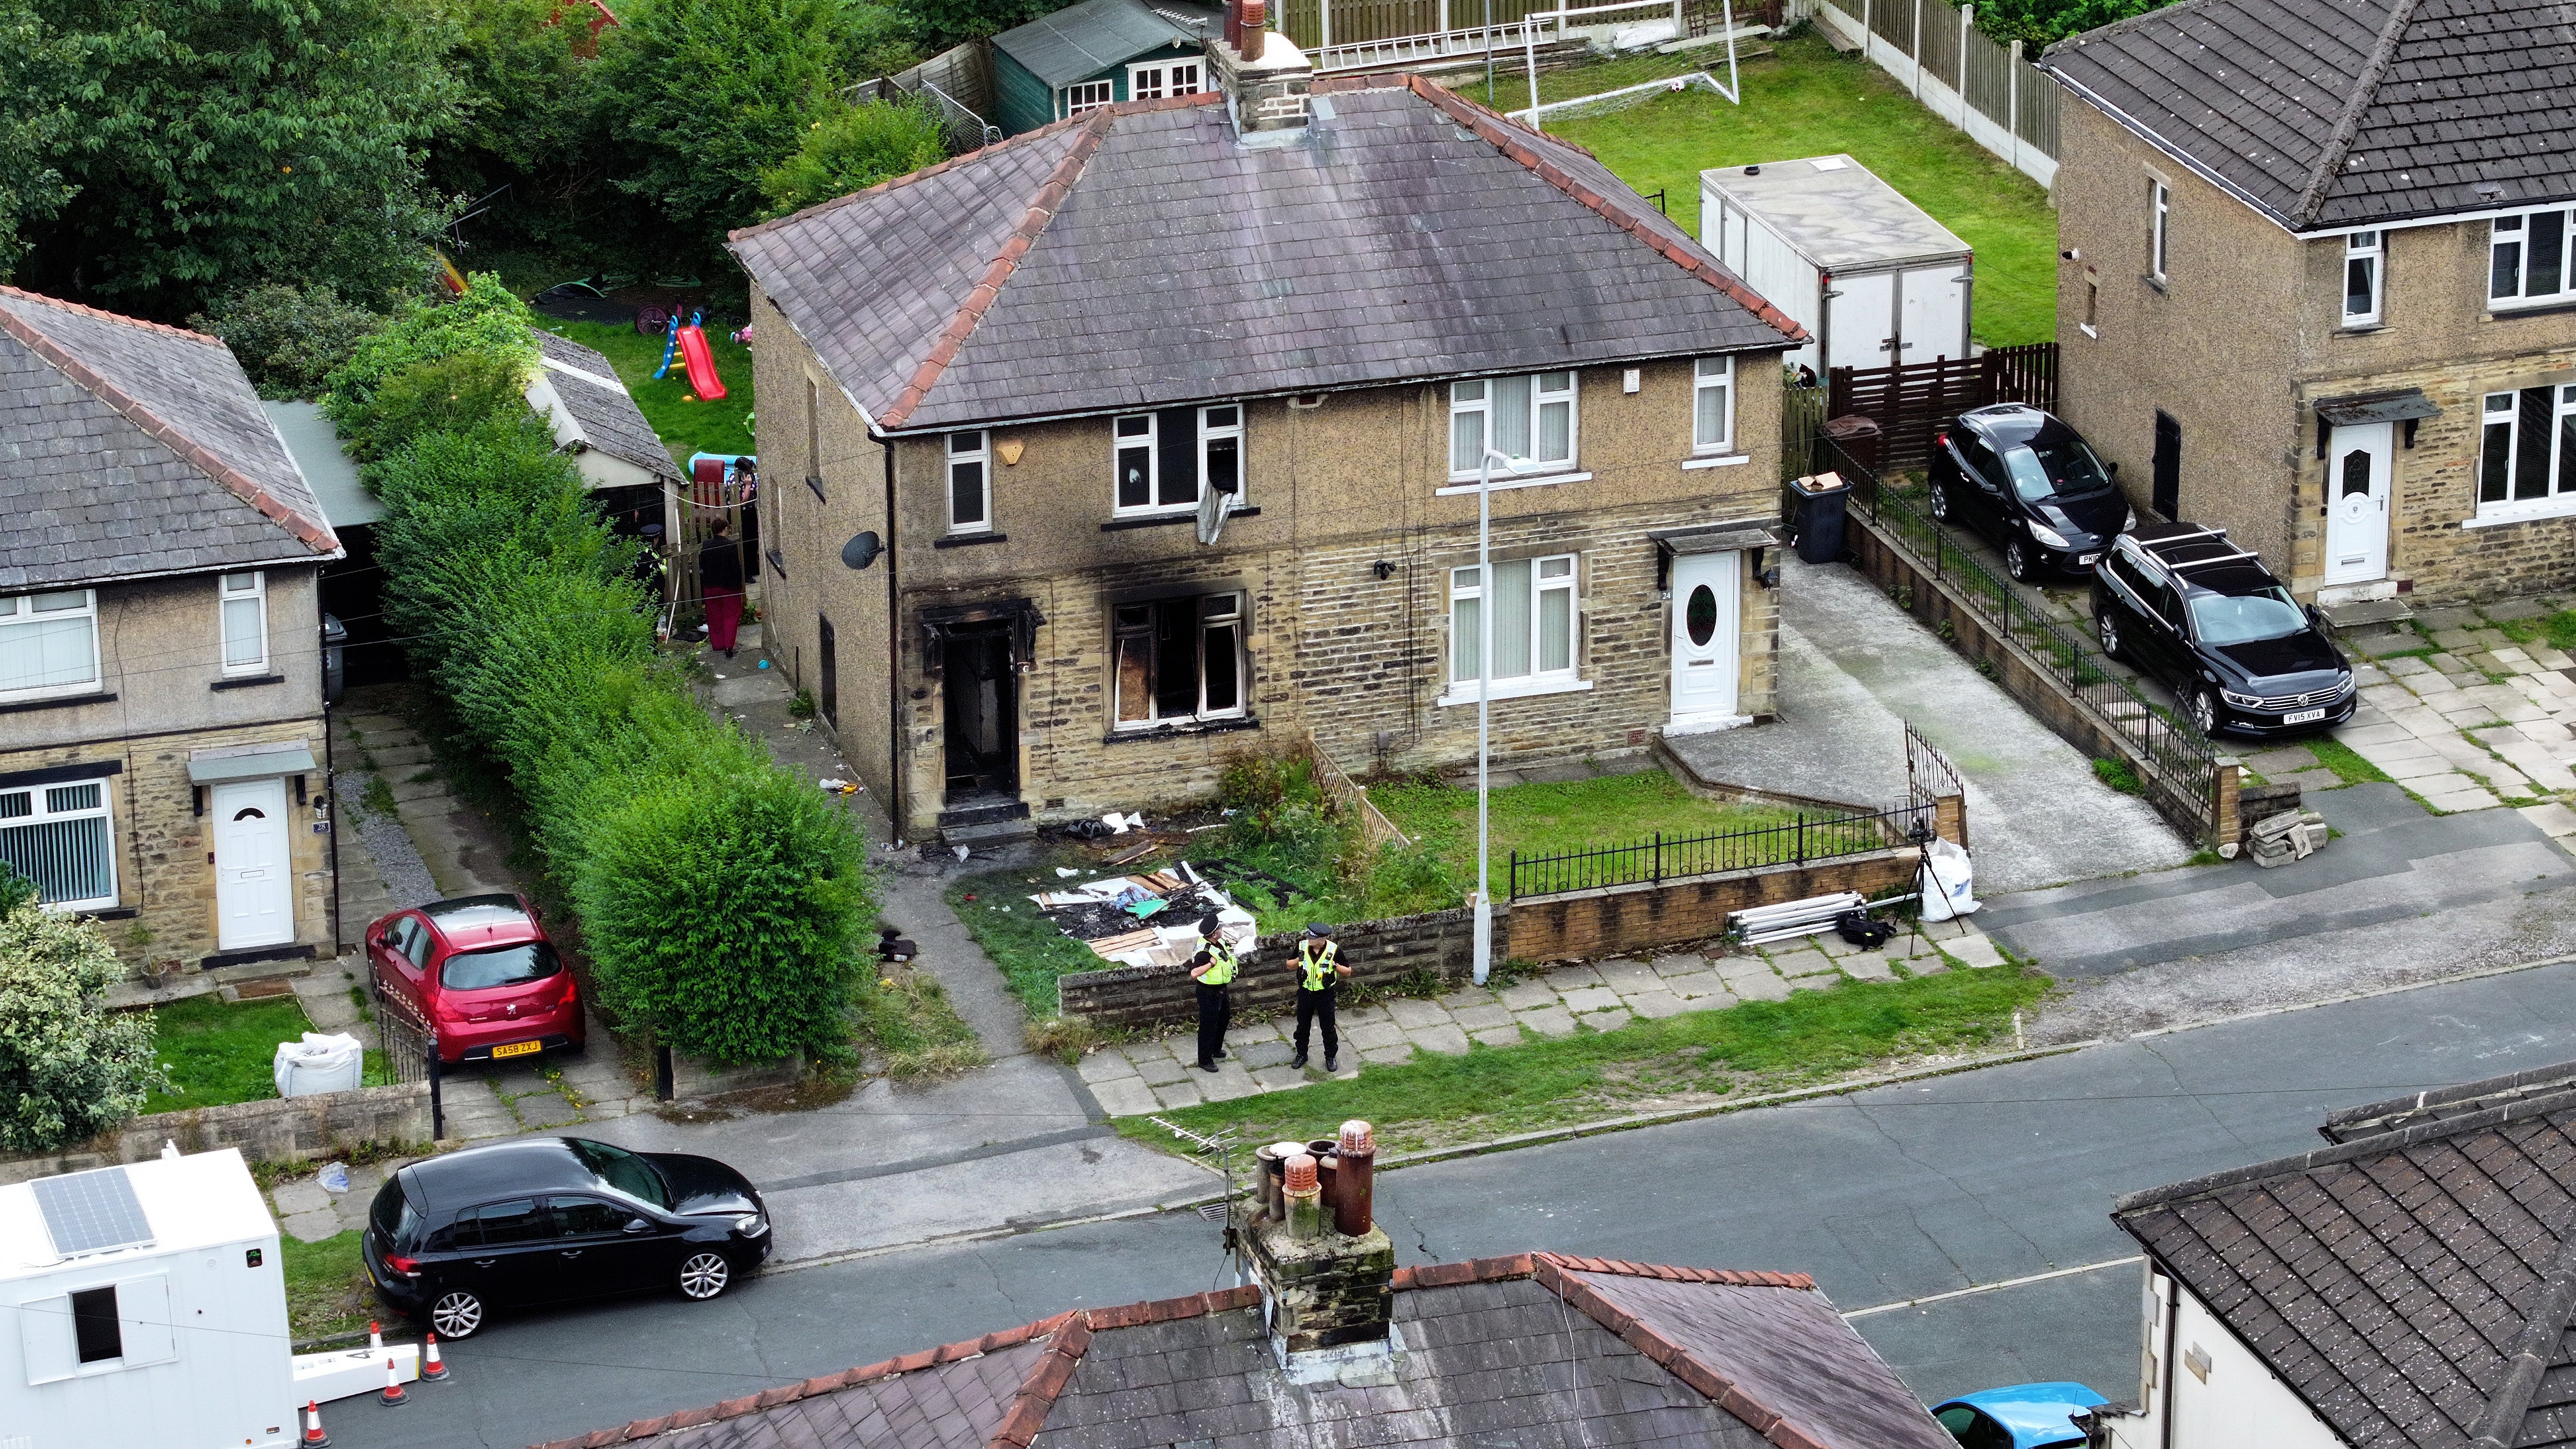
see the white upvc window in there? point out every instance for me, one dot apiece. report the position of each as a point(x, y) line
point(2363, 259)
point(1178, 661)
point(1532, 607)
point(1221, 450)
point(2527, 452)
point(1529, 420)
point(1166, 460)
point(245, 620)
point(1084, 96)
point(1154, 79)
point(1713, 405)
point(2160, 218)
point(49, 644)
point(59, 836)
point(2527, 259)
point(970, 483)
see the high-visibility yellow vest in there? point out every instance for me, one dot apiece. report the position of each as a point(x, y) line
point(1317, 966)
point(1220, 970)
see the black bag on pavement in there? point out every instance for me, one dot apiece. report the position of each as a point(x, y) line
point(1857, 928)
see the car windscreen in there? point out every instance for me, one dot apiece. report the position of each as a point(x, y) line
point(393, 1217)
point(2222, 619)
point(501, 966)
point(2057, 466)
point(622, 1170)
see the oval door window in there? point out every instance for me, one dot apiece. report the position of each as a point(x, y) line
point(1700, 615)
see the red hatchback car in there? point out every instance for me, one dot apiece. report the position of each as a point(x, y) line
point(481, 972)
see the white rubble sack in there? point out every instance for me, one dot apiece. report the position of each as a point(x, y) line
point(1948, 878)
point(319, 1063)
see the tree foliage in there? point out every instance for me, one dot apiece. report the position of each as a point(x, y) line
point(947, 22)
point(36, 85)
point(69, 1068)
point(851, 148)
point(289, 338)
point(489, 320)
point(2036, 23)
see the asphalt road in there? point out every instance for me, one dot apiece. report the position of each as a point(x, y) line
point(1895, 1194)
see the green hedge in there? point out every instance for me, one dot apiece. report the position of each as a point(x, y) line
point(722, 899)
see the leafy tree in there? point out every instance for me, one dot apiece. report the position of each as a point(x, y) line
point(216, 143)
point(851, 149)
point(702, 94)
point(289, 338)
point(69, 1068)
point(529, 121)
point(444, 395)
point(878, 38)
point(35, 113)
point(488, 319)
point(2041, 22)
point(947, 22)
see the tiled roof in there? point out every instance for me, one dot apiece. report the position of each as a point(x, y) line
point(1142, 255)
point(132, 448)
point(1539, 1351)
point(1086, 39)
point(2414, 1286)
point(607, 415)
point(2331, 113)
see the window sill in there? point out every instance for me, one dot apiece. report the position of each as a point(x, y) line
point(2536, 309)
point(1164, 520)
point(59, 701)
point(817, 485)
point(1177, 730)
point(1720, 460)
point(2536, 511)
point(1512, 481)
point(250, 681)
point(2357, 329)
point(109, 913)
point(2088, 330)
point(969, 540)
point(1505, 689)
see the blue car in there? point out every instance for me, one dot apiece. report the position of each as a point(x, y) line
point(2025, 1416)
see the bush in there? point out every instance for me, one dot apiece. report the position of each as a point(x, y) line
point(446, 395)
point(488, 319)
point(289, 338)
point(851, 149)
point(69, 1068)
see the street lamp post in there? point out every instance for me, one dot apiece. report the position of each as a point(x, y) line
point(1484, 702)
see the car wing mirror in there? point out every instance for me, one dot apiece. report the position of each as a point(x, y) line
point(638, 1225)
point(2114, 467)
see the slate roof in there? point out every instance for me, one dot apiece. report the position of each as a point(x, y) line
point(1086, 39)
point(1142, 255)
point(2332, 113)
point(1536, 1351)
point(135, 449)
point(2416, 1285)
point(604, 410)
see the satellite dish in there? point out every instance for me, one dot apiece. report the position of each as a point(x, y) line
point(862, 551)
point(1215, 506)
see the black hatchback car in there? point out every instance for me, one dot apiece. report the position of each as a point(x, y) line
point(2030, 483)
point(2185, 604)
point(551, 1219)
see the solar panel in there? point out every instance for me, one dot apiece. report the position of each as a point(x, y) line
point(92, 1212)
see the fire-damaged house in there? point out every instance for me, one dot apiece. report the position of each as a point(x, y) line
point(1096, 449)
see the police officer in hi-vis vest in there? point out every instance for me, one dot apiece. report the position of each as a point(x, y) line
point(1319, 968)
point(1213, 969)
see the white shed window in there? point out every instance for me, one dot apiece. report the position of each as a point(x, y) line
point(1152, 80)
point(60, 838)
point(245, 614)
point(1713, 405)
point(49, 643)
point(2362, 258)
point(1529, 420)
point(1087, 96)
point(1533, 621)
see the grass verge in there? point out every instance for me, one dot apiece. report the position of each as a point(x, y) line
point(326, 1286)
point(1760, 1046)
point(2348, 766)
point(1804, 100)
point(687, 423)
point(1548, 819)
point(913, 1028)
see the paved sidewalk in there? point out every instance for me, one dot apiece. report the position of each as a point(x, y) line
point(1160, 1074)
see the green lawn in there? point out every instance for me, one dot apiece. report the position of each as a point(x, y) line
point(1746, 1050)
point(1805, 100)
point(219, 1052)
point(686, 424)
point(1537, 819)
point(326, 1286)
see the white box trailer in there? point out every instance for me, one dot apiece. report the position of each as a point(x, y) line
point(1870, 275)
point(148, 1310)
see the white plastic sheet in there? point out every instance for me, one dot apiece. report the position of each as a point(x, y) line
point(319, 1063)
point(1948, 881)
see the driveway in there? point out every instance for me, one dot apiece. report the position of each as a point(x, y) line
point(1855, 669)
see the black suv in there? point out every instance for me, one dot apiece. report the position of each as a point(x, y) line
point(2029, 482)
point(2186, 605)
point(551, 1219)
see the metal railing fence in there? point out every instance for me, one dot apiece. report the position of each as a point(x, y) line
point(1799, 841)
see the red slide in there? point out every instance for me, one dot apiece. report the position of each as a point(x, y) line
point(701, 364)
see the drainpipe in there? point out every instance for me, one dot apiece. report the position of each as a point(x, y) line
point(897, 777)
point(2172, 1296)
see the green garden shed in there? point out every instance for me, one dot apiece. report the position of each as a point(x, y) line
point(1088, 55)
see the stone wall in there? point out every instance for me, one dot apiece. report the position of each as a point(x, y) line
point(299, 1129)
point(1378, 953)
point(1617, 920)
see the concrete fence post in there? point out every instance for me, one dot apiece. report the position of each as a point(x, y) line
point(1966, 13)
point(2012, 101)
point(2227, 778)
point(1918, 49)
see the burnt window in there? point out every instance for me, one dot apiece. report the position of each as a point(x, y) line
point(1178, 660)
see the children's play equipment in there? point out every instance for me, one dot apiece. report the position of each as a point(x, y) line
point(689, 342)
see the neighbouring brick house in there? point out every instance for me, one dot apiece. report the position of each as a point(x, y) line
point(1023, 373)
point(2316, 285)
point(2411, 1284)
point(161, 733)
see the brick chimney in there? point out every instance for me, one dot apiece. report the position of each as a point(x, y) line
point(1265, 79)
point(1327, 1292)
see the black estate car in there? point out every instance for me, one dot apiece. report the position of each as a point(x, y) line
point(2185, 604)
point(2029, 482)
point(449, 1239)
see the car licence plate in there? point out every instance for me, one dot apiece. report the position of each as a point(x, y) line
point(2086, 561)
point(523, 1048)
point(2305, 716)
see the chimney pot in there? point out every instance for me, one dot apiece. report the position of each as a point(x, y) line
point(1301, 1173)
point(1354, 1179)
point(1254, 20)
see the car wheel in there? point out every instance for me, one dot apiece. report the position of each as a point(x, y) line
point(2017, 561)
point(456, 1315)
point(705, 1275)
point(2106, 627)
point(2203, 707)
point(1940, 503)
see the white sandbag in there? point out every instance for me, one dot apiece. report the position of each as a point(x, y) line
point(319, 1063)
point(1948, 876)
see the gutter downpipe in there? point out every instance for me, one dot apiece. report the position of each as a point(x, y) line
point(2172, 1296)
point(897, 774)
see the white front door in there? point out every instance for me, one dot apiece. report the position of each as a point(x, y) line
point(2357, 472)
point(1704, 642)
point(254, 886)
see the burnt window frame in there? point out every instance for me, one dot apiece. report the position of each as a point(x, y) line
point(1144, 621)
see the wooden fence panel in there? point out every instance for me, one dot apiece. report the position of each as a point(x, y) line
point(1989, 77)
point(1910, 402)
point(1940, 57)
point(2037, 121)
point(1302, 21)
point(1893, 21)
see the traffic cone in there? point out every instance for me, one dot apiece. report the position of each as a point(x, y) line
point(314, 1438)
point(393, 1397)
point(432, 1369)
point(375, 1337)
